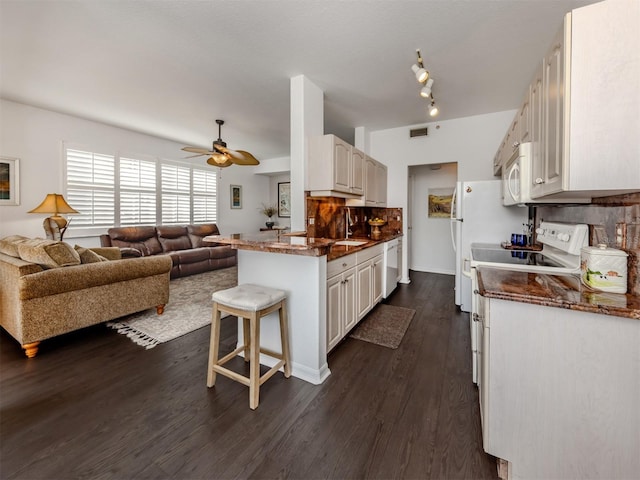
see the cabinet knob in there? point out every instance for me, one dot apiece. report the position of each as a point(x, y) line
point(538, 181)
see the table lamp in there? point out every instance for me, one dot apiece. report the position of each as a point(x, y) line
point(55, 225)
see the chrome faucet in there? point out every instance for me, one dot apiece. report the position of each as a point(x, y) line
point(348, 222)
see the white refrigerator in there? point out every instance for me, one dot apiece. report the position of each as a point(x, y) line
point(478, 216)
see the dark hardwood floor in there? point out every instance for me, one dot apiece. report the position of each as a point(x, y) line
point(94, 405)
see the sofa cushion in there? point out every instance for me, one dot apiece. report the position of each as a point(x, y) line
point(48, 253)
point(198, 232)
point(142, 239)
point(173, 238)
point(88, 256)
point(9, 245)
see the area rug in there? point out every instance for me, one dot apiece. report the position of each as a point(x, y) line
point(385, 325)
point(189, 308)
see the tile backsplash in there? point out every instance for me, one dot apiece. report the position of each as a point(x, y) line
point(614, 221)
point(327, 218)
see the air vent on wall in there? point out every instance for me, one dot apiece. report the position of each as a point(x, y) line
point(418, 132)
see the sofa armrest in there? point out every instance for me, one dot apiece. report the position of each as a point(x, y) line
point(78, 277)
point(110, 253)
point(130, 252)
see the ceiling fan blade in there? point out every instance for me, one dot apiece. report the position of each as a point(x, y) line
point(196, 155)
point(239, 157)
point(202, 151)
point(248, 159)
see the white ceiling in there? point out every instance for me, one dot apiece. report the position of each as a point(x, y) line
point(170, 68)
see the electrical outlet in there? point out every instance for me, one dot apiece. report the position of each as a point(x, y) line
point(312, 221)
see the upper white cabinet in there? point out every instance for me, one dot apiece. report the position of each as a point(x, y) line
point(582, 109)
point(375, 192)
point(335, 168)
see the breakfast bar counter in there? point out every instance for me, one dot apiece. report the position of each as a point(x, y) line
point(298, 265)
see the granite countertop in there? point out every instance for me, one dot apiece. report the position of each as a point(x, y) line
point(563, 291)
point(295, 243)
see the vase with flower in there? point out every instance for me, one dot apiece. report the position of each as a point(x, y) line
point(269, 211)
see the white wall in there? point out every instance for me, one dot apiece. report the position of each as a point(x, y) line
point(432, 249)
point(471, 142)
point(35, 136)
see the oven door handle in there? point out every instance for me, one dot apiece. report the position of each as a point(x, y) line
point(465, 272)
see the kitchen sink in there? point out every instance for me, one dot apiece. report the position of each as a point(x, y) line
point(351, 243)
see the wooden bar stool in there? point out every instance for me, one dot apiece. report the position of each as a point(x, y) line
point(251, 303)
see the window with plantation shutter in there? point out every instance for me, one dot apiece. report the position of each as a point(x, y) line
point(176, 194)
point(205, 184)
point(118, 190)
point(91, 188)
point(137, 192)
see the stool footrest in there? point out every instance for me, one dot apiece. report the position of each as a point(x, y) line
point(271, 372)
point(229, 356)
point(231, 374)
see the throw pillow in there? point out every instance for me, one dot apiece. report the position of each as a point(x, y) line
point(9, 245)
point(48, 253)
point(88, 256)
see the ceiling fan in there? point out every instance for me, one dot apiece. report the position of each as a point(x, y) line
point(220, 155)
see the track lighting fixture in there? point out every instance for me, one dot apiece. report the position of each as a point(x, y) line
point(423, 77)
point(433, 109)
point(425, 91)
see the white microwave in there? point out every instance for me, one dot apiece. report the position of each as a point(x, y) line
point(516, 177)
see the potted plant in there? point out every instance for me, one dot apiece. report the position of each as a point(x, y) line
point(269, 211)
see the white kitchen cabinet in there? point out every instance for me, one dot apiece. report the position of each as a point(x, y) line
point(590, 98)
point(560, 391)
point(357, 171)
point(333, 169)
point(375, 193)
point(354, 287)
point(364, 273)
point(341, 299)
point(377, 266)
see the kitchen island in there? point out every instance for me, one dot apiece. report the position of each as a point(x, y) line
point(298, 265)
point(559, 381)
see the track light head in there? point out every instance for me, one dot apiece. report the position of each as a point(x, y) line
point(425, 92)
point(421, 74)
point(433, 109)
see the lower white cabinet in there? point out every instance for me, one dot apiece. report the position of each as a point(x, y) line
point(341, 306)
point(354, 287)
point(377, 266)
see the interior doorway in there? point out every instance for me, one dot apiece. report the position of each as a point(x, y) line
point(430, 245)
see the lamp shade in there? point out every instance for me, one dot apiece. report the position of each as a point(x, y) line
point(53, 203)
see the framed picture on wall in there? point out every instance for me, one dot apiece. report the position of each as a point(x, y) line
point(284, 199)
point(236, 196)
point(439, 203)
point(9, 181)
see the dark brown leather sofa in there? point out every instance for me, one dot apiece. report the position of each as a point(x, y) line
point(189, 253)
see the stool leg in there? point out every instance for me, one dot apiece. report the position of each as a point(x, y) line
point(214, 345)
point(254, 368)
point(284, 338)
point(247, 339)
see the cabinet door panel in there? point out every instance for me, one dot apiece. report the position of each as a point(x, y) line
point(537, 157)
point(377, 279)
point(364, 288)
point(350, 291)
point(334, 311)
point(342, 165)
point(357, 171)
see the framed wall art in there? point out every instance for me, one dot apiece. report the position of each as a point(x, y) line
point(9, 181)
point(440, 202)
point(236, 196)
point(284, 199)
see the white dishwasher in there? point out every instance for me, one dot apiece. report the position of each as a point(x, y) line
point(391, 269)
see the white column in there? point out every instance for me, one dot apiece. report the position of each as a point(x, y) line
point(307, 119)
point(361, 139)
